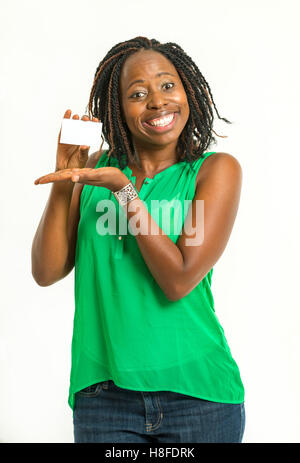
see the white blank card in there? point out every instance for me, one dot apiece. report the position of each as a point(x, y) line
point(78, 132)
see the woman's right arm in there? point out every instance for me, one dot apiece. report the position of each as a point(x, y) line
point(54, 243)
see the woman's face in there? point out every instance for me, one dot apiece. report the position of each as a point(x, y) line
point(155, 108)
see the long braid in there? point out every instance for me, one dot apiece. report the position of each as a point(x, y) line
point(124, 139)
point(110, 105)
point(104, 102)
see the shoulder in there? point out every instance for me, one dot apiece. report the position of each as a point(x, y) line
point(220, 164)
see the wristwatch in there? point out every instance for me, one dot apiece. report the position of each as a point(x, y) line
point(126, 194)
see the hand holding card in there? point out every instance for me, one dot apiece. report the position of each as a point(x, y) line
point(74, 140)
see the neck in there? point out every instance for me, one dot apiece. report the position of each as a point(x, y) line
point(154, 160)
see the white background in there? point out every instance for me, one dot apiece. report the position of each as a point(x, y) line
point(248, 52)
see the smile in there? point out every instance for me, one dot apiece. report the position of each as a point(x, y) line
point(161, 124)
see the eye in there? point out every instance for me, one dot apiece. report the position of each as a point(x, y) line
point(137, 93)
point(169, 83)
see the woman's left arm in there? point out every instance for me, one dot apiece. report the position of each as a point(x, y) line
point(178, 268)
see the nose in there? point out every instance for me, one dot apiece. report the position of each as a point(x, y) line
point(156, 100)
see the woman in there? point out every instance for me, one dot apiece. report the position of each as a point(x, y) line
point(150, 361)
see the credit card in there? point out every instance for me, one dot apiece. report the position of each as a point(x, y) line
point(78, 132)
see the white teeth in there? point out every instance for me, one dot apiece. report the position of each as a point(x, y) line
point(163, 121)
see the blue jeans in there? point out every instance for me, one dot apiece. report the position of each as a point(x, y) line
point(107, 413)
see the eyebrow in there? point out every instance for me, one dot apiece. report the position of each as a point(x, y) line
point(157, 75)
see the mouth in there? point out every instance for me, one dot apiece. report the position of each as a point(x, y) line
point(162, 124)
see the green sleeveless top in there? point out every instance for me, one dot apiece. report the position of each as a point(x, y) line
point(125, 329)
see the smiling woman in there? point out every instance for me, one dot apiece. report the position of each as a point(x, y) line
point(132, 79)
point(150, 360)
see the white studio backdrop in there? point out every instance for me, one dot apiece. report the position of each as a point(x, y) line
point(248, 52)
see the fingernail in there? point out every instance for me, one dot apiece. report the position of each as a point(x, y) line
point(75, 178)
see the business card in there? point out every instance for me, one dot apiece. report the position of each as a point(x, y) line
point(79, 132)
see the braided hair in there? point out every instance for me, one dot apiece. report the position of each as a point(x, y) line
point(104, 102)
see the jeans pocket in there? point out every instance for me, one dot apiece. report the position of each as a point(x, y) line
point(91, 391)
